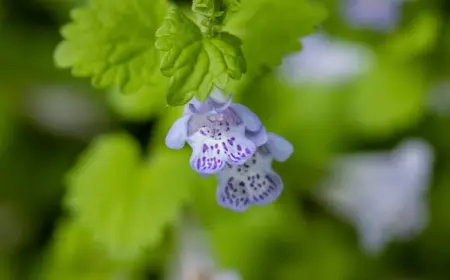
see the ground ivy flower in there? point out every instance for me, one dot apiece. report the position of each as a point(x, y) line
point(254, 182)
point(326, 61)
point(382, 194)
point(218, 131)
point(379, 15)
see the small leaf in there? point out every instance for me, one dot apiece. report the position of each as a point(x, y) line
point(112, 41)
point(196, 64)
point(123, 201)
point(208, 8)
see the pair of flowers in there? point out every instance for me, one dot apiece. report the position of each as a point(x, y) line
point(229, 140)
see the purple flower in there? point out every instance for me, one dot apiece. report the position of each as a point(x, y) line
point(254, 182)
point(218, 131)
point(382, 194)
point(326, 61)
point(379, 15)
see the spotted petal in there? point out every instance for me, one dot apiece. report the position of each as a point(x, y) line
point(237, 146)
point(213, 146)
point(208, 158)
point(254, 182)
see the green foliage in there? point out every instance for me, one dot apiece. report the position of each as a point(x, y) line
point(213, 13)
point(271, 29)
point(112, 41)
point(321, 243)
point(74, 255)
point(417, 39)
point(139, 106)
point(195, 63)
point(123, 201)
point(388, 99)
point(1, 11)
point(6, 119)
point(232, 234)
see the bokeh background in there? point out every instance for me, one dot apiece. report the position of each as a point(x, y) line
point(371, 77)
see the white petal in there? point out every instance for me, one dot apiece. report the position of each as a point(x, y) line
point(176, 137)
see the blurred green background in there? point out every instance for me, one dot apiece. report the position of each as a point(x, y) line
point(50, 122)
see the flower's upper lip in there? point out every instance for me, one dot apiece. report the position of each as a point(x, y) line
point(220, 106)
point(210, 106)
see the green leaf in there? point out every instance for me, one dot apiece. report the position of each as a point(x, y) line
point(213, 13)
point(123, 201)
point(232, 5)
point(195, 64)
point(139, 106)
point(74, 255)
point(418, 38)
point(209, 8)
point(271, 29)
point(112, 41)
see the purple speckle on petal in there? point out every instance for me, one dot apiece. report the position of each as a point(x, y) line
point(247, 150)
point(224, 146)
point(239, 147)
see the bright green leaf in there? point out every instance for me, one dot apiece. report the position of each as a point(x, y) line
point(232, 5)
point(195, 64)
point(209, 8)
point(123, 201)
point(112, 41)
point(271, 29)
point(139, 106)
point(74, 256)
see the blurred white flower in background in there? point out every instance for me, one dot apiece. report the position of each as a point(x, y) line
point(194, 259)
point(378, 15)
point(382, 194)
point(66, 111)
point(326, 61)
